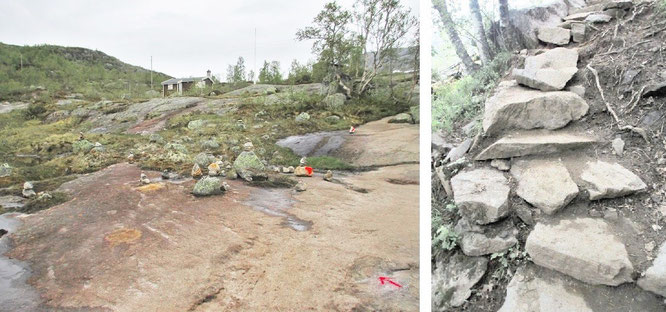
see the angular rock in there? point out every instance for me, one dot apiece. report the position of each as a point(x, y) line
point(598, 18)
point(529, 292)
point(549, 71)
point(248, 165)
point(554, 35)
point(476, 240)
point(301, 172)
point(655, 276)
point(82, 146)
point(207, 186)
point(618, 146)
point(328, 176)
point(401, 118)
point(577, 89)
point(452, 281)
point(203, 160)
point(517, 107)
point(578, 16)
point(482, 195)
point(214, 169)
point(533, 143)
point(501, 164)
point(606, 180)
point(619, 4)
point(301, 186)
point(546, 184)
point(458, 151)
point(196, 171)
point(578, 32)
point(584, 249)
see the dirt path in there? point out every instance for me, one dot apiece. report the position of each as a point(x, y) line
point(117, 246)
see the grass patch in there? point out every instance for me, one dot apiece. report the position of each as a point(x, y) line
point(463, 99)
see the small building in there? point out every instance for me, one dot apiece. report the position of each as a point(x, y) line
point(180, 85)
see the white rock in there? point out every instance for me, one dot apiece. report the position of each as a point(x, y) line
point(534, 143)
point(554, 35)
point(481, 194)
point(549, 71)
point(606, 180)
point(453, 280)
point(655, 276)
point(546, 184)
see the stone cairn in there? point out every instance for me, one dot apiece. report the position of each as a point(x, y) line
point(536, 154)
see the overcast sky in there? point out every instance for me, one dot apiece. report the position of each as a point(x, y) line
point(185, 38)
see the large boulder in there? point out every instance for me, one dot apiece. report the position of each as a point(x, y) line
point(247, 165)
point(548, 71)
point(606, 180)
point(655, 276)
point(534, 143)
point(517, 107)
point(401, 118)
point(584, 249)
point(555, 35)
point(530, 18)
point(453, 280)
point(335, 100)
point(481, 195)
point(208, 186)
point(546, 184)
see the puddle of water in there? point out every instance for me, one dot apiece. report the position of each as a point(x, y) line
point(275, 203)
point(15, 293)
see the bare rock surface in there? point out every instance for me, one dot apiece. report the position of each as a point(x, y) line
point(546, 184)
point(517, 107)
point(481, 194)
point(555, 35)
point(584, 248)
point(610, 180)
point(655, 276)
point(534, 143)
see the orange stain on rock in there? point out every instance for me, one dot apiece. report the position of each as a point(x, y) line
point(150, 187)
point(120, 236)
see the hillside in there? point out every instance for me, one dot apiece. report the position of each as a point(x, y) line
point(61, 70)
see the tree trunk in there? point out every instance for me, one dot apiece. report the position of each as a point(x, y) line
point(510, 37)
point(440, 6)
point(481, 40)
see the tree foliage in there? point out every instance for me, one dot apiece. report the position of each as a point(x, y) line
point(236, 73)
point(270, 73)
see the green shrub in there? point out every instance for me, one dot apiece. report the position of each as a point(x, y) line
point(463, 99)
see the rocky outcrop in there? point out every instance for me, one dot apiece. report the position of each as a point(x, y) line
point(606, 180)
point(529, 19)
point(517, 107)
point(584, 249)
point(549, 71)
point(481, 194)
point(208, 186)
point(453, 280)
point(546, 184)
point(534, 143)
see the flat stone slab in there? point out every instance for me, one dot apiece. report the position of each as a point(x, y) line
point(534, 143)
point(546, 184)
point(578, 32)
point(598, 18)
point(517, 107)
point(578, 16)
point(481, 195)
point(606, 180)
point(548, 71)
point(655, 276)
point(555, 35)
point(536, 289)
point(584, 249)
point(453, 280)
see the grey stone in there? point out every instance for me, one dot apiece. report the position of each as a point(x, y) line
point(555, 35)
point(301, 186)
point(196, 124)
point(501, 164)
point(156, 138)
point(207, 186)
point(577, 89)
point(517, 107)
point(401, 118)
point(578, 16)
point(481, 194)
point(618, 146)
point(453, 280)
point(546, 184)
point(549, 71)
point(476, 241)
point(584, 249)
point(82, 146)
point(332, 119)
point(248, 165)
point(302, 117)
point(598, 18)
point(459, 151)
point(606, 180)
point(11, 202)
point(203, 160)
point(334, 101)
point(5, 170)
point(578, 31)
point(655, 276)
point(533, 143)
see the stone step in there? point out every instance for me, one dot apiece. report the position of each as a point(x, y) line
point(535, 289)
point(515, 107)
point(536, 142)
point(454, 278)
point(482, 195)
point(555, 35)
point(609, 180)
point(545, 184)
point(584, 249)
point(655, 276)
point(548, 71)
point(476, 240)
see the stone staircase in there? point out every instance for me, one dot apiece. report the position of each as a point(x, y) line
point(528, 124)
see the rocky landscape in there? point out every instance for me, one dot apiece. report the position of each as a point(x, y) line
point(207, 204)
point(557, 204)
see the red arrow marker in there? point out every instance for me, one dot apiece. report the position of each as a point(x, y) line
point(384, 279)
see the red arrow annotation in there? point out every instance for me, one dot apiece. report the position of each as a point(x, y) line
point(384, 279)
